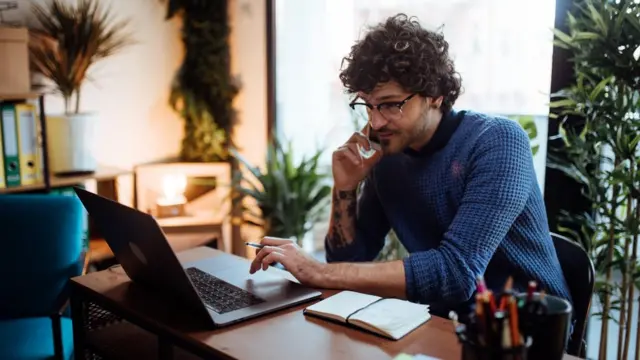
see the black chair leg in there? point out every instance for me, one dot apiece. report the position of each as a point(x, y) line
point(56, 327)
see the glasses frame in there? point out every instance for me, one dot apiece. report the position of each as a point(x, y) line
point(398, 104)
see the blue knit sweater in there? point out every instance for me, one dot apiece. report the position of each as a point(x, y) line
point(468, 204)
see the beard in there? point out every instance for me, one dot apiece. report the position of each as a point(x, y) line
point(401, 140)
point(396, 144)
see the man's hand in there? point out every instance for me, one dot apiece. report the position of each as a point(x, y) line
point(349, 166)
point(302, 266)
point(383, 279)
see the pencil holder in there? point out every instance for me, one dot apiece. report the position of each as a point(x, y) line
point(549, 330)
point(473, 351)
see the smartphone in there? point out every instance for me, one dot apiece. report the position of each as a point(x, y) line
point(372, 135)
point(373, 140)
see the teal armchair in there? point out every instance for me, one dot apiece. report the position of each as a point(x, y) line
point(41, 247)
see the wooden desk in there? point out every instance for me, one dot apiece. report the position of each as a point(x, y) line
point(107, 300)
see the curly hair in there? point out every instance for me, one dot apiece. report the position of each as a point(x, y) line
point(400, 50)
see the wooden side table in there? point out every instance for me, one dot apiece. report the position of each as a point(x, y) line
point(101, 256)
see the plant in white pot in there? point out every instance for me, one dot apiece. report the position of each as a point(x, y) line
point(69, 38)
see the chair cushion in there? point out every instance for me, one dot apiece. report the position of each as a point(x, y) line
point(32, 338)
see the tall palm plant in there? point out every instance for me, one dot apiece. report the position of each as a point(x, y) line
point(69, 39)
point(599, 115)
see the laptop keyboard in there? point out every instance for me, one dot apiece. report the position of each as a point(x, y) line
point(220, 295)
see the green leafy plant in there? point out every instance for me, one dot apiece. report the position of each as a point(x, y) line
point(528, 123)
point(203, 88)
point(69, 39)
point(600, 129)
point(290, 196)
point(392, 249)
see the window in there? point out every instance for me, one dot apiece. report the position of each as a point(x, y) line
point(502, 49)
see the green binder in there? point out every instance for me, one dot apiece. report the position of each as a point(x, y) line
point(10, 144)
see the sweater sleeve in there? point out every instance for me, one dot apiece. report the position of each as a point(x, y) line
point(499, 177)
point(372, 228)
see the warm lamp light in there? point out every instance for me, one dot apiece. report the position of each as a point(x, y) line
point(172, 201)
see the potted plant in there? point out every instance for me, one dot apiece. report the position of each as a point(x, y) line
point(600, 130)
point(68, 40)
point(290, 196)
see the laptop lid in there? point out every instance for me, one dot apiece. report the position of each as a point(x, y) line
point(140, 246)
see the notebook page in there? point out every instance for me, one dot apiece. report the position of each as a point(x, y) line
point(342, 304)
point(393, 316)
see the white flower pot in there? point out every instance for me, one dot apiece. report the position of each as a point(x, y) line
point(71, 138)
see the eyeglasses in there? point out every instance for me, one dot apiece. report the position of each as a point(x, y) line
point(391, 110)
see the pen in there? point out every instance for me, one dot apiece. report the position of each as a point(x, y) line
point(508, 286)
point(505, 333)
point(460, 329)
point(481, 284)
point(513, 321)
point(255, 245)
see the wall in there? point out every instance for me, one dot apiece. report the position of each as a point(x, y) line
point(131, 88)
point(248, 62)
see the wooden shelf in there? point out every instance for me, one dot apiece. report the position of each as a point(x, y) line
point(103, 173)
point(99, 250)
point(20, 96)
point(22, 188)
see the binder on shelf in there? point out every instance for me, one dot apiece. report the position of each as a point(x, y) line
point(10, 145)
point(40, 151)
point(27, 143)
point(2, 182)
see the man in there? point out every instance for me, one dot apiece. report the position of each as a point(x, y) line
point(458, 188)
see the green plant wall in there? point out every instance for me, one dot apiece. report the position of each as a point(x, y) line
point(203, 88)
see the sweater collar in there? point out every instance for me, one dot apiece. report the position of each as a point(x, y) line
point(447, 127)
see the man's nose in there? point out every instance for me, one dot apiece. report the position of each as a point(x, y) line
point(377, 120)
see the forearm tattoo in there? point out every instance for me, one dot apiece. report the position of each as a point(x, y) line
point(342, 229)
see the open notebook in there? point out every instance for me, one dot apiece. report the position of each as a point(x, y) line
point(391, 318)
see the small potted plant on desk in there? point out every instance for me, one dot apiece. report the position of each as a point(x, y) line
point(291, 197)
point(66, 42)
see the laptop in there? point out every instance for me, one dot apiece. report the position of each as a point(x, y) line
point(217, 290)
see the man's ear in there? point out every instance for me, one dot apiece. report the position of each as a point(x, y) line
point(437, 102)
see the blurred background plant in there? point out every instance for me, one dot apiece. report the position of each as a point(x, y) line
point(290, 196)
point(528, 123)
point(68, 40)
